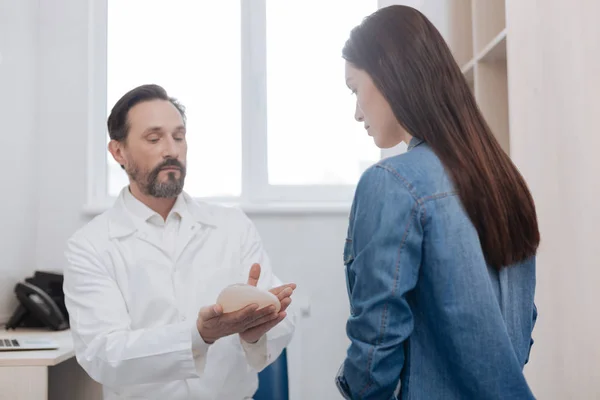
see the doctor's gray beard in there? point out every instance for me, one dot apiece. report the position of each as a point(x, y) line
point(149, 183)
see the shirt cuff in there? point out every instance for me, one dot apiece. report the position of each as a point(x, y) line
point(199, 349)
point(256, 353)
point(342, 385)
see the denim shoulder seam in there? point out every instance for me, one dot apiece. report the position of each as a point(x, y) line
point(437, 196)
point(409, 187)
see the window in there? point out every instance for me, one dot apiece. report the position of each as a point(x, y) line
point(193, 50)
point(312, 136)
point(269, 115)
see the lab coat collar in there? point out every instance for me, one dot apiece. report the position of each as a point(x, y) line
point(199, 211)
point(121, 223)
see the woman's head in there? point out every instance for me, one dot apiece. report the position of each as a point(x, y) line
point(408, 84)
point(396, 56)
point(373, 110)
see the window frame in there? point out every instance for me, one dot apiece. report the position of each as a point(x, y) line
point(257, 195)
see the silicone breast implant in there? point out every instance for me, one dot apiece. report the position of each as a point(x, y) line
point(235, 297)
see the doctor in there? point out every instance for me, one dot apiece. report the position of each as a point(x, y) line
point(142, 277)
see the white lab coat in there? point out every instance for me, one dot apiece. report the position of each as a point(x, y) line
point(133, 308)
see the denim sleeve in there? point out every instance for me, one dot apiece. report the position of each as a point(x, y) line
point(382, 265)
point(531, 341)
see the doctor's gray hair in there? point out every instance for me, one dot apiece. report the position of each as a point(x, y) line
point(118, 124)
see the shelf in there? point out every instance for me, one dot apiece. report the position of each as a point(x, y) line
point(468, 71)
point(495, 50)
point(491, 92)
point(460, 35)
point(476, 33)
point(468, 67)
point(489, 19)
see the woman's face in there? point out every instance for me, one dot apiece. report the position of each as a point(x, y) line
point(373, 110)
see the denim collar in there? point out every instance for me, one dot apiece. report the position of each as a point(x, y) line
point(414, 142)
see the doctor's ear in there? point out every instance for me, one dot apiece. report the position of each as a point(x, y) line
point(116, 150)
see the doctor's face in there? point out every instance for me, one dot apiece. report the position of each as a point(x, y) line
point(155, 149)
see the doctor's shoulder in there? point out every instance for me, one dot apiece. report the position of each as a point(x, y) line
point(92, 236)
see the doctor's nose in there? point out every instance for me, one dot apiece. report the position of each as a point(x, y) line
point(170, 149)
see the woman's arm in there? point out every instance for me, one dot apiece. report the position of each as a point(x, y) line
point(382, 267)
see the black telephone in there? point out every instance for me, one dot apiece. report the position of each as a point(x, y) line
point(42, 304)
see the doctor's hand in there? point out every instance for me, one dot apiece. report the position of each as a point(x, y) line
point(213, 324)
point(258, 328)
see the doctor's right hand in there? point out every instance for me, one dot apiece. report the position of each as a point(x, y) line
point(213, 324)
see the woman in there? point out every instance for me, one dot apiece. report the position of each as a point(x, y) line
point(440, 255)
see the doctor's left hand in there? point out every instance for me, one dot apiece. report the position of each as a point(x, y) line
point(283, 293)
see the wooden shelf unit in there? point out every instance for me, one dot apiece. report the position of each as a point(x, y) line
point(477, 37)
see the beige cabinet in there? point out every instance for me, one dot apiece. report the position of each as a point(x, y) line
point(477, 35)
point(534, 67)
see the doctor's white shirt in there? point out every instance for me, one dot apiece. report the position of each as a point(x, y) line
point(134, 285)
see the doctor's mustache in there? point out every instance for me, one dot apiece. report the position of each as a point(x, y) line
point(169, 162)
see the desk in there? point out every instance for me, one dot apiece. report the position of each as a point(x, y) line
point(46, 374)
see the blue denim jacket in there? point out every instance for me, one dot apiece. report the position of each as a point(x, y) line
point(428, 318)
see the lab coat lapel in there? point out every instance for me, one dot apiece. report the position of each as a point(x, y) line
point(187, 232)
point(121, 224)
point(150, 239)
point(195, 224)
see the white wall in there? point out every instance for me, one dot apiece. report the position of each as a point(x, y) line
point(308, 250)
point(18, 162)
point(63, 119)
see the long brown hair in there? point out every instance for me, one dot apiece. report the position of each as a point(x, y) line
point(412, 66)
